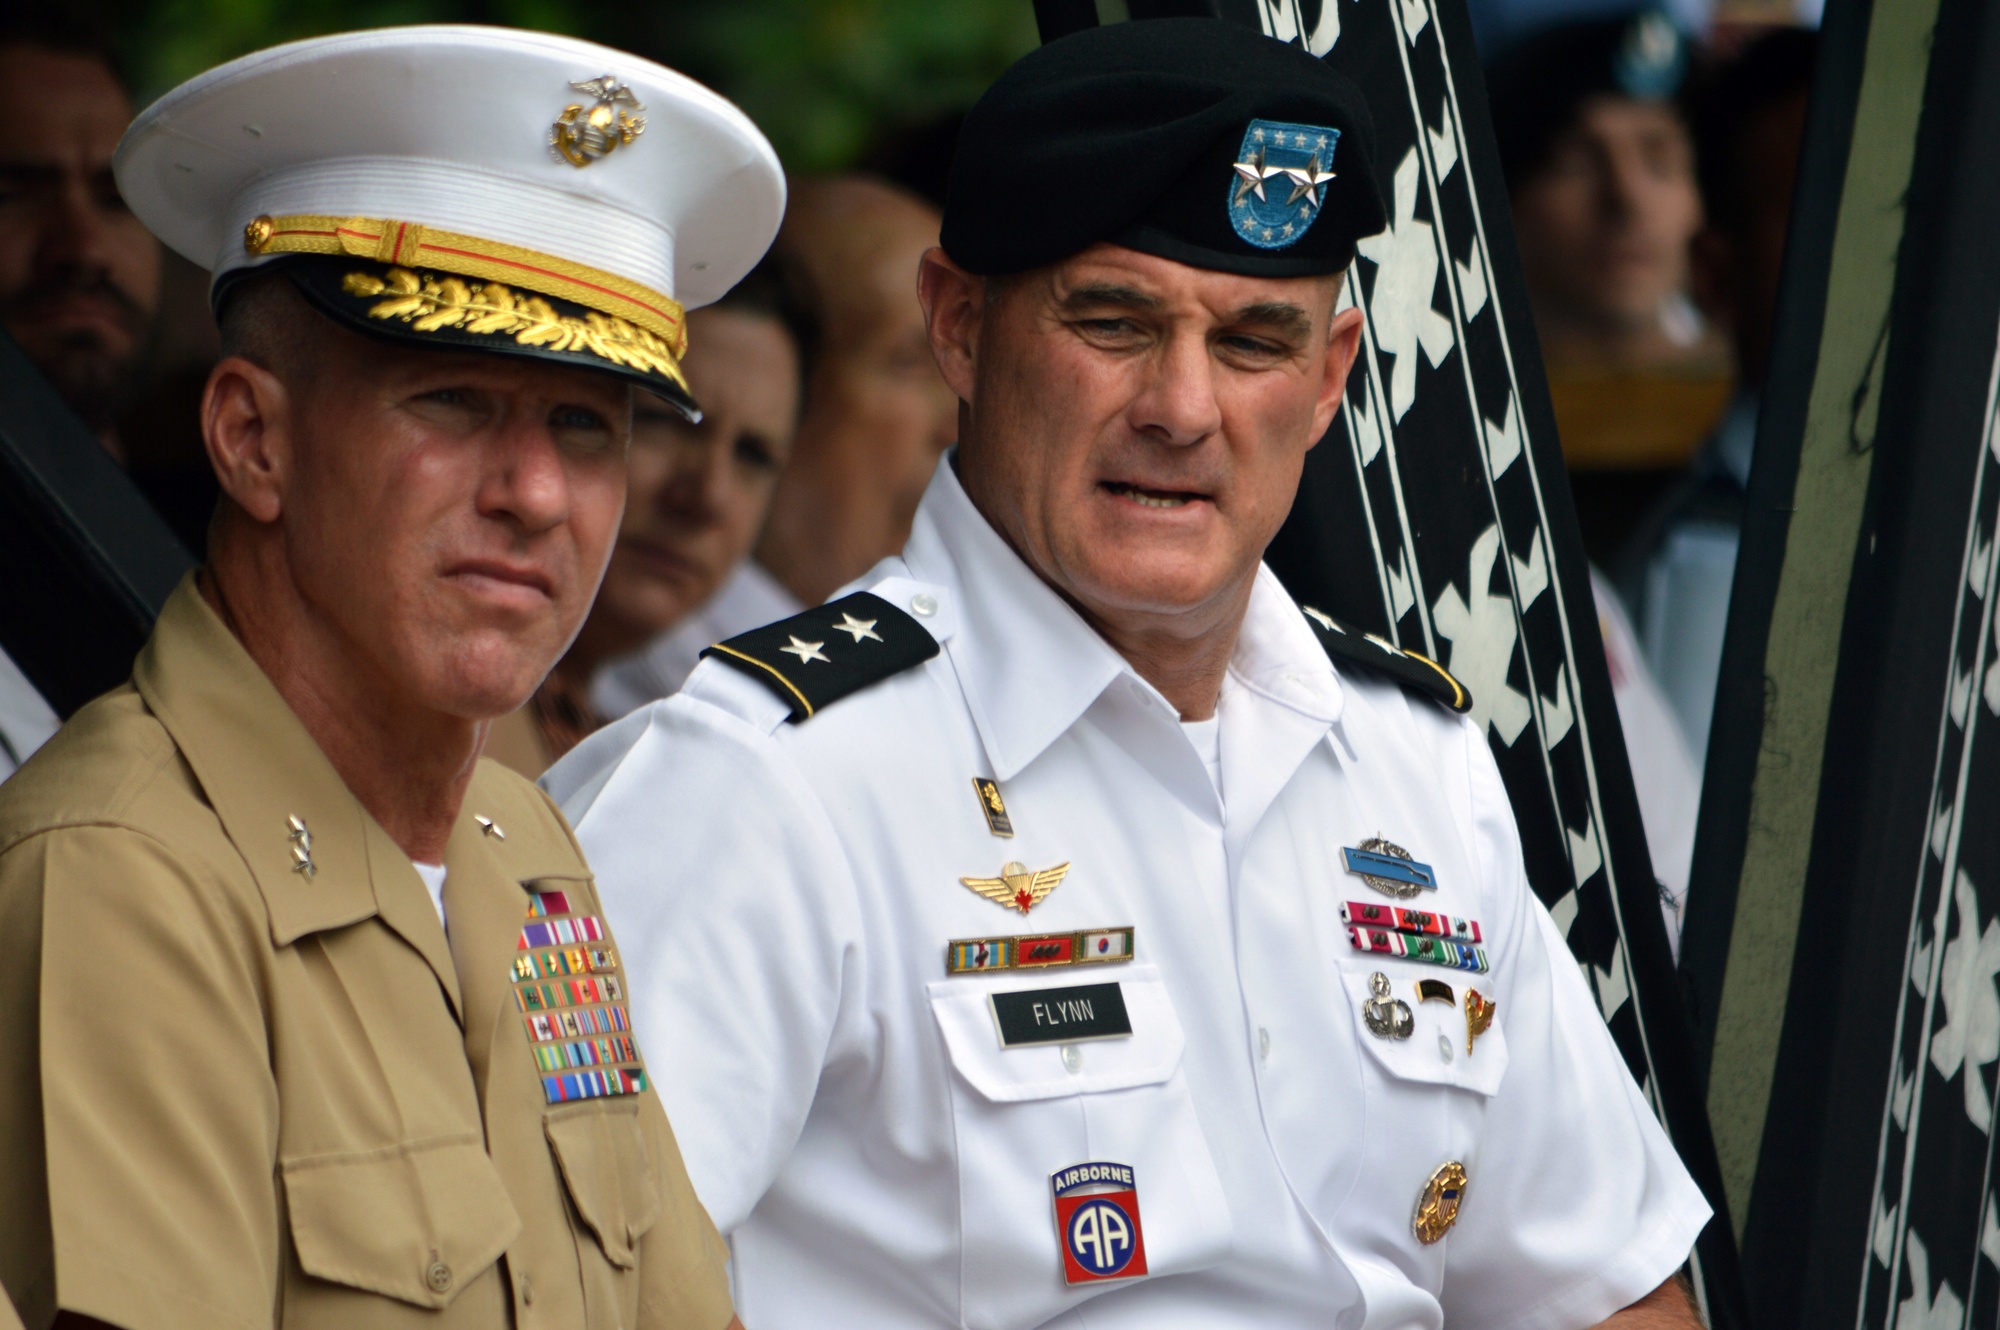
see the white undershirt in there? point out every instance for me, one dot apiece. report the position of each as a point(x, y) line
point(433, 876)
point(1206, 736)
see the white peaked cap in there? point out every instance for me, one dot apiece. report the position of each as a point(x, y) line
point(421, 155)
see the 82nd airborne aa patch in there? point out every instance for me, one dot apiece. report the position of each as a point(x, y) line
point(1097, 1222)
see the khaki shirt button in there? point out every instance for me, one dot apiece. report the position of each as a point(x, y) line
point(527, 1292)
point(438, 1276)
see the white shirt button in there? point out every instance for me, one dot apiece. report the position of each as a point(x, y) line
point(1072, 1059)
point(923, 604)
point(1444, 1048)
point(1263, 1043)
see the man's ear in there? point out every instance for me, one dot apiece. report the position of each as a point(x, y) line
point(246, 428)
point(953, 301)
point(1343, 343)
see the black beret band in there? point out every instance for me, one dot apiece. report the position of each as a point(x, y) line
point(1149, 134)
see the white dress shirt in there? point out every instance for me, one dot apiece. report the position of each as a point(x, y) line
point(877, 1158)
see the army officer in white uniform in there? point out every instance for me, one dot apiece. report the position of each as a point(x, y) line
point(1068, 928)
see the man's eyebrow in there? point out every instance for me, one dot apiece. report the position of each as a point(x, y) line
point(1095, 295)
point(1278, 315)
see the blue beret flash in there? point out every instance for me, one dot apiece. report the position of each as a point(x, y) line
point(1282, 172)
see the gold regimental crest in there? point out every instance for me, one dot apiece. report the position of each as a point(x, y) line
point(432, 302)
point(582, 134)
point(1437, 1208)
point(1016, 887)
point(1478, 1016)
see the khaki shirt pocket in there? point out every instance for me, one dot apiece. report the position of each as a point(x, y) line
point(417, 1221)
point(609, 1172)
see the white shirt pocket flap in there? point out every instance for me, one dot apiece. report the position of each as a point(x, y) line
point(1147, 1056)
point(1436, 1052)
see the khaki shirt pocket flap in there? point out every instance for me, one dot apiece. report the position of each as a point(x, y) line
point(415, 1222)
point(609, 1172)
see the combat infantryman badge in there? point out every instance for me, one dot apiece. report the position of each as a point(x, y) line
point(1016, 887)
point(580, 137)
point(1478, 1017)
point(1097, 1221)
point(1388, 868)
point(1280, 181)
point(1437, 1207)
point(1386, 1017)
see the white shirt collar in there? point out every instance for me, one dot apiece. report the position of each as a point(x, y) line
point(1030, 665)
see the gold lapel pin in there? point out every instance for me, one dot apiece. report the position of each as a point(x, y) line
point(1478, 1017)
point(489, 827)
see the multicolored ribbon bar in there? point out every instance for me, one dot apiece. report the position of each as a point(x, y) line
point(542, 904)
point(1037, 950)
point(594, 1084)
point(561, 932)
point(1425, 922)
point(1432, 950)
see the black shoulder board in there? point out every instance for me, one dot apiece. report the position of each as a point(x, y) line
point(814, 659)
point(1350, 646)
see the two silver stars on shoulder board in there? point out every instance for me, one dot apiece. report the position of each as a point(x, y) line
point(861, 630)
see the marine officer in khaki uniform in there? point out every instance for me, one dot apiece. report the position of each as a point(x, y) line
point(315, 1019)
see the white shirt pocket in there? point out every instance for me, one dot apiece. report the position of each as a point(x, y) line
point(1437, 1053)
point(1022, 1114)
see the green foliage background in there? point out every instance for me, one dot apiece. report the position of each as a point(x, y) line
point(824, 78)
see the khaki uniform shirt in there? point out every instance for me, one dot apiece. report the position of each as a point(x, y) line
point(238, 1092)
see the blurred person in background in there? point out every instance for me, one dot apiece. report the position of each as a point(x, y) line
point(79, 275)
point(680, 575)
point(1676, 569)
point(1600, 168)
point(1600, 165)
point(878, 415)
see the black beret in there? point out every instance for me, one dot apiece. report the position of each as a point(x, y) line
point(1537, 86)
point(1192, 139)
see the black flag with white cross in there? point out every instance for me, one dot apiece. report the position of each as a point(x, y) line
point(1437, 513)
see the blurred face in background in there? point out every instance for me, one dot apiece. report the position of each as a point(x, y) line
point(1604, 223)
point(877, 412)
point(79, 276)
point(697, 493)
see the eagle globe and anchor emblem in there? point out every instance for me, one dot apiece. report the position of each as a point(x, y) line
point(1280, 181)
point(581, 135)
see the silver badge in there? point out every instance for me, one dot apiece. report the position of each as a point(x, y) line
point(1386, 1017)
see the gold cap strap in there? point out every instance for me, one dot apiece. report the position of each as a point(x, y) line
point(411, 244)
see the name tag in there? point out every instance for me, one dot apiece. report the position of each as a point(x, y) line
point(1060, 1015)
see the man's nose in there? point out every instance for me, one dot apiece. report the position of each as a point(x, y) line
point(525, 481)
point(1178, 403)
